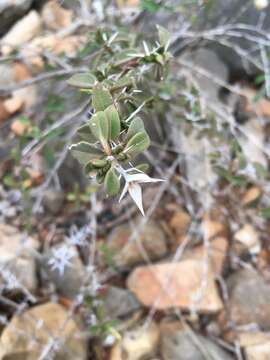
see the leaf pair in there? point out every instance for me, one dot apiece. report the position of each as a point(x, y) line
point(105, 125)
point(137, 138)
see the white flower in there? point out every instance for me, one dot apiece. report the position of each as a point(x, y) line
point(61, 258)
point(261, 4)
point(132, 186)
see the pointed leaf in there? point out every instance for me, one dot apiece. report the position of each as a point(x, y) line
point(84, 152)
point(101, 98)
point(113, 122)
point(135, 192)
point(112, 182)
point(135, 126)
point(137, 144)
point(83, 80)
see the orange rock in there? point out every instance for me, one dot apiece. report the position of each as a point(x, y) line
point(4, 114)
point(185, 284)
point(216, 252)
point(180, 222)
point(212, 228)
point(251, 195)
point(19, 128)
point(13, 104)
point(55, 17)
point(21, 72)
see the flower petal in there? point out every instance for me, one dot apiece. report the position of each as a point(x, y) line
point(135, 192)
point(124, 191)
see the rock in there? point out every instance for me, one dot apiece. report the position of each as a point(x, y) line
point(249, 298)
point(216, 252)
point(19, 128)
point(53, 200)
point(119, 302)
point(29, 334)
point(69, 282)
point(137, 344)
point(22, 32)
point(54, 16)
point(209, 66)
point(179, 224)
point(6, 75)
point(13, 104)
point(152, 240)
point(180, 344)
point(249, 238)
point(256, 345)
point(251, 141)
point(251, 195)
point(10, 11)
point(4, 114)
point(183, 284)
point(235, 51)
point(18, 268)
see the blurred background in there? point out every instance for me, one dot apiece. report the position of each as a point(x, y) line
point(83, 276)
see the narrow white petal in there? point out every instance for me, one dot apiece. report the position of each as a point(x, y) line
point(124, 191)
point(135, 192)
point(141, 177)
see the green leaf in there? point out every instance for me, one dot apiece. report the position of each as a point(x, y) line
point(137, 144)
point(89, 168)
point(99, 163)
point(135, 126)
point(85, 133)
point(112, 182)
point(113, 122)
point(84, 80)
point(84, 152)
point(101, 98)
point(265, 213)
point(164, 36)
point(99, 127)
point(142, 167)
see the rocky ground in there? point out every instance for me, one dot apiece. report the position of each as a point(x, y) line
point(83, 277)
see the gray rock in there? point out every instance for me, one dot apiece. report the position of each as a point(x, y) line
point(10, 11)
point(181, 345)
point(53, 200)
point(119, 302)
point(130, 249)
point(249, 299)
point(17, 263)
point(69, 282)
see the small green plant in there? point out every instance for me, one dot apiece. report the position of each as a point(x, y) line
point(115, 135)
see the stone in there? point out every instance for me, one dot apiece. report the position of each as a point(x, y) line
point(22, 32)
point(249, 238)
point(119, 302)
point(54, 16)
point(53, 200)
point(251, 195)
point(256, 345)
point(152, 241)
point(19, 128)
point(183, 284)
point(216, 252)
point(4, 114)
point(206, 61)
point(69, 282)
point(180, 344)
point(10, 11)
point(17, 263)
point(13, 104)
point(28, 334)
point(249, 298)
point(137, 344)
point(179, 223)
point(252, 140)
